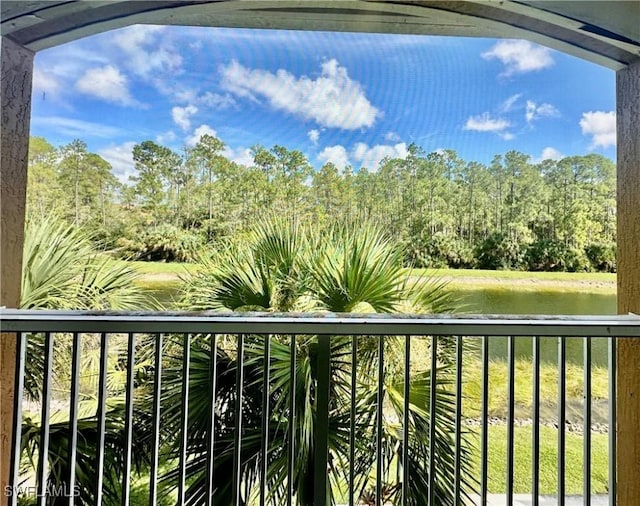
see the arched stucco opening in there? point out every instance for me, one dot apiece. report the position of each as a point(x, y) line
point(607, 33)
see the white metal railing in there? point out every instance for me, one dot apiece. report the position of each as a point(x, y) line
point(238, 451)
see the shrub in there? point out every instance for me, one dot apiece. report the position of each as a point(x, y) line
point(545, 255)
point(498, 252)
point(164, 243)
point(438, 251)
point(602, 256)
point(576, 260)
point(554, 255)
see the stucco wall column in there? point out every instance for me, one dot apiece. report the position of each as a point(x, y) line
point(628, 355)
point(15, 90)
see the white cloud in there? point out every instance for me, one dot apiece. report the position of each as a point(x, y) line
point(45, 82)
point(75, 127)
point(106, 83)
point(520, 56)
point(217, 100)
point(165, 137)
point(336, 155)
point(72, 64)
point(601, 126)
point(507, 136)
point(183, 95)
point(550, 153)
point(535, 111)
point(485, 123)
point(241, 156)
point(147, 50)
point(193, 139)
point(508, 104)
point(313, 135)
point(186, 95)
point(182, 116)
point(332, 100)
point(370, 157)
point(391, 137)
point(121, 159)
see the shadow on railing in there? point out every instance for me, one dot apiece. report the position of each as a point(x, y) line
point(166, 408)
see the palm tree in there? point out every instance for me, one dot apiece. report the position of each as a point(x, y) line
point(62, 271)
point(280, 267)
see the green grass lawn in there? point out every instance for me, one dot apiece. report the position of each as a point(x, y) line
point(179, 268)
point(165, 292)
point(497, 474)
point(603, 277)
point(498, 388)
point(523, 465)
point(164, 267)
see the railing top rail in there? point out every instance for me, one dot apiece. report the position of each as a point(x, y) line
point(15, 320)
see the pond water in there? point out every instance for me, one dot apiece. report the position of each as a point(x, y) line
point(509, 301)
point(550, 302)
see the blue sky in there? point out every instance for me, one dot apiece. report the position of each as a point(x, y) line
point(341, 97)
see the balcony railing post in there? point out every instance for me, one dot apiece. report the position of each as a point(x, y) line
point(613, 427)
point(21, 354)
point(321, 436)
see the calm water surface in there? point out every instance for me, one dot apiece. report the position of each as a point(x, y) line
point(550, 302)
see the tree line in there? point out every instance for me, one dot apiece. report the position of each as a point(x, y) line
point(513, 213)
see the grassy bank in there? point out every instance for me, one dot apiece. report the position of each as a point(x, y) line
point(497, 469)
point(457, 279)
point(453, 274)
point(522, 469)
point(567, 282)
point(175, 268)
point(548, 461)
point(603, 277)
point(498, 389)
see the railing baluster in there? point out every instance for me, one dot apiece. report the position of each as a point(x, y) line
point(320, 480)
point(484, 439)
point(155, 420)
point(457, 462)
point(237, 443)
point(101, 414)
point(510, 416)
point(379, 420)
point(43, 449)
point(184, 418)
point(291, 443)
point(432, 420)
point(535, 431)
point(562, 387)
point(21, 353)
point(586, 466)
point(352, 419)
point(73, 415)
point(128, 421)
point(212, 426)
point(612, 420)
point(406, 391)
point(265, 418)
